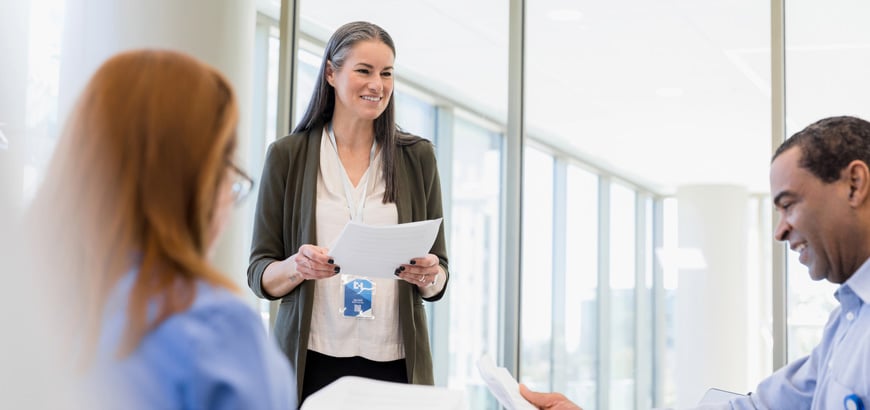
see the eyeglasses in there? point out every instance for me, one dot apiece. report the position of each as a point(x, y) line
point(242, 183)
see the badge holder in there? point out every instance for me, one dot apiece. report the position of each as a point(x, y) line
point(358, 293)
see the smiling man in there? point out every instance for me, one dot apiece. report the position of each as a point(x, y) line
point(820, 184)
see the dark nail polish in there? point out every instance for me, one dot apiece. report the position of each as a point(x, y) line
point(396, 272)
point(413, 262)
point(337, 269)
point(401, 268)
point(331, 261)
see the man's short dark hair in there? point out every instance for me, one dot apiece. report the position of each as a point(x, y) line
point(829, 145)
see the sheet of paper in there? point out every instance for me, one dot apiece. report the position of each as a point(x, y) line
point(376, 251)
point(714, 395)
point(502, 385)
point(357, 393)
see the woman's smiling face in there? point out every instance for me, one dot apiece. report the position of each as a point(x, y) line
point(364, 83)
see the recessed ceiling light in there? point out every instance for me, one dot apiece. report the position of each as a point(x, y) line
point(669, 92)
point(565, 15)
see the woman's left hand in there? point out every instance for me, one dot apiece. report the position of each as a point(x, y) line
point(421, 271)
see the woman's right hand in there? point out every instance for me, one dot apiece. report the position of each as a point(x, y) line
point(314, 262)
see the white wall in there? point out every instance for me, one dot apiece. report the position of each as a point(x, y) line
point(219, 32)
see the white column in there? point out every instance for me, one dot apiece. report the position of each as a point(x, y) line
point(219, 32)
point(27, 372)
point(14, 16)
point(711, 311)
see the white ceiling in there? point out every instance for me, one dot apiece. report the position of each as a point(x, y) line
point(666, 94)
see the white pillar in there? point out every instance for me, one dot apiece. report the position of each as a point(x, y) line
point(14, 17)
point(27, 372)
point(711, 311)
point(219, 32)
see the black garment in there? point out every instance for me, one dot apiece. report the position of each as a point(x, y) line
point(322, 370)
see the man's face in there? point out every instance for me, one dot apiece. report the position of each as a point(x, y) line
point(814, 218)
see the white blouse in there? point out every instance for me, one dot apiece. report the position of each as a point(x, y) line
point(332, 333)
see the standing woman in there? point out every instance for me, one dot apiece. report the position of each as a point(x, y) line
point(347, 160)
point(141, 185)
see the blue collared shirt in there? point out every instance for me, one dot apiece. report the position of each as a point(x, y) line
point(839, 367)
point(214, 355)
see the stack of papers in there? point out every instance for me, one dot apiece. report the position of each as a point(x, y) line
point(358, 393)
point(376, 251)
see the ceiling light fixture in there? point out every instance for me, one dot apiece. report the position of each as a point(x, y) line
point(565, 15)
point(669, 92)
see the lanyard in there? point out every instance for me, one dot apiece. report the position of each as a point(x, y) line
point(356, 210)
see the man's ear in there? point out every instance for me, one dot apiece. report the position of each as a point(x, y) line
point(330, 73)
point(859, 181)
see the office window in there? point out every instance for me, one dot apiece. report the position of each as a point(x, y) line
point(475, 233)
point(759, 295)
point(646, 319)
point(826, 58)
point(274, 50)
point(666, 255)
point(809, 304)
point(307, 69)
point(42, 119)
point(622, 297)
point(537, 270)
point(581, 288)
point(414, 115)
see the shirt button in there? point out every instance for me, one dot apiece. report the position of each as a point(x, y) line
point(850, 316)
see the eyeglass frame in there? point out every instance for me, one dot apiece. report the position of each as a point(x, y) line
point(242, 184)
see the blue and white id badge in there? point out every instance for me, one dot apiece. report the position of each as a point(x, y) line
point(358, 294)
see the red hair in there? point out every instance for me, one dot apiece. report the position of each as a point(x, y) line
point(134, 183)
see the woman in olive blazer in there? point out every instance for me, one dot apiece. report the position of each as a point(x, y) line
point(284, 263)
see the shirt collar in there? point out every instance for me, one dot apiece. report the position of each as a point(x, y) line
point(859, 282)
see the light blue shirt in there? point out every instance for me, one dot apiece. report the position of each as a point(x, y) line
point(839, 367)
point(214, 355)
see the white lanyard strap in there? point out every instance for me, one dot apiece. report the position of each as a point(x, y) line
point(355, 210)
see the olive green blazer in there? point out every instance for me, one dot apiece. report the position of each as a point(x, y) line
point(285, 220)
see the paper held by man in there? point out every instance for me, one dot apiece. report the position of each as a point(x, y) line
point(376, 251)
point(502, 385)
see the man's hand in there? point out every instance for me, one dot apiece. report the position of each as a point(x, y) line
point(548, 401)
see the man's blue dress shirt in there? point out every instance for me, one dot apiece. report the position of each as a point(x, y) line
point(837, 369)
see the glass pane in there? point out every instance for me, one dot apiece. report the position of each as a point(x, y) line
point(43, 82)
point(670, 282)
point(809, 304)
point(622, 297)
point(415, 115)
point(759, 293)
point(272, 85)
point(537, 270)
point(646, 309)
point(474, 258)
point(581, 288)
point(827, 54)
point(306, 75)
